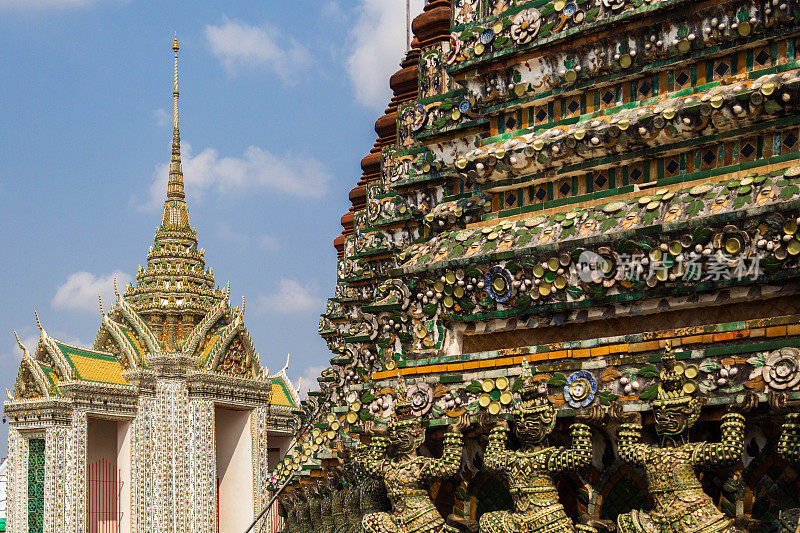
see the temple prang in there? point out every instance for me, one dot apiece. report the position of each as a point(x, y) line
point(577, 227)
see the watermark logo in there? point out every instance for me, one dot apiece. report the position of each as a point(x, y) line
point(595, 268)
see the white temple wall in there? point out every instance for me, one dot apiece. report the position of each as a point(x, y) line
point(167, 460)
point(16, 491)
point(167, 468)
point(142, 470)
point(124, 436)
point(202, 483)
point(58, 496)
point(261, 464)
point(234, 444)
point(174, 487)
point(76, 473)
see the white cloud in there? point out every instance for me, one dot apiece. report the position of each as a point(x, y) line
point(79, 292)
point(256, 170)
point(309, 379)
point(265, 242)
point(29, 341)
point(163, 119)
point(239, 45)
point(292, 297)
point(379, 44)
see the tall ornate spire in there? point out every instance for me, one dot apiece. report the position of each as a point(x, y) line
point(175, 290)
point(176, 213)
point(175, 187)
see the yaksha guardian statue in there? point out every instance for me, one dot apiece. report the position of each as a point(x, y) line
point(288, 511)
point(680, 505)
point(393, 457)
point(365, 494)
point(532, 470)
point(789, 441)
point(303, 515)
point(789, 451)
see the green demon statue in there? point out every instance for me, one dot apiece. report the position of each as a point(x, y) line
point(315, 507)
point(680, 504)
point(338, 494)
point(531, 470)
point(789, 450)
point(327, 491)
point(288, 511)
point(365, 494)
point(303, 514)
point(393, 458)
point(352, 498)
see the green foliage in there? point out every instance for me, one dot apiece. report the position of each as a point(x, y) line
point(606, 397)
point(649, 393)
point(648, 371)
point(694, 208)
point(789, 191)
point(474, 387)
point(367, 398)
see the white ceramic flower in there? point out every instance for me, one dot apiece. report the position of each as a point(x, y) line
point(421, 396)
point(525, 25)
point(781, 370)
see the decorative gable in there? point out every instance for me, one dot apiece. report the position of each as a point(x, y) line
point(31, 382)
point(236, 361)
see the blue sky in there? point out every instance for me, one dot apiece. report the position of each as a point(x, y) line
point(278, 103)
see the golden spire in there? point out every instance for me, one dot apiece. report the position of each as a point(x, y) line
point(175, 186)
point(176, 213)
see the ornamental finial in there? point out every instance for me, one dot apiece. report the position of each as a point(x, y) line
point(38, 324)
point(19, 343)
point(100, 301)
point(175, 185)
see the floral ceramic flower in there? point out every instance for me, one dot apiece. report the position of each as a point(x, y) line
point(498, 284)
point(580, 389)
point(780, 369)
point(421, 396)
point(419, 118)
point(587, 227)
point(525, 25)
